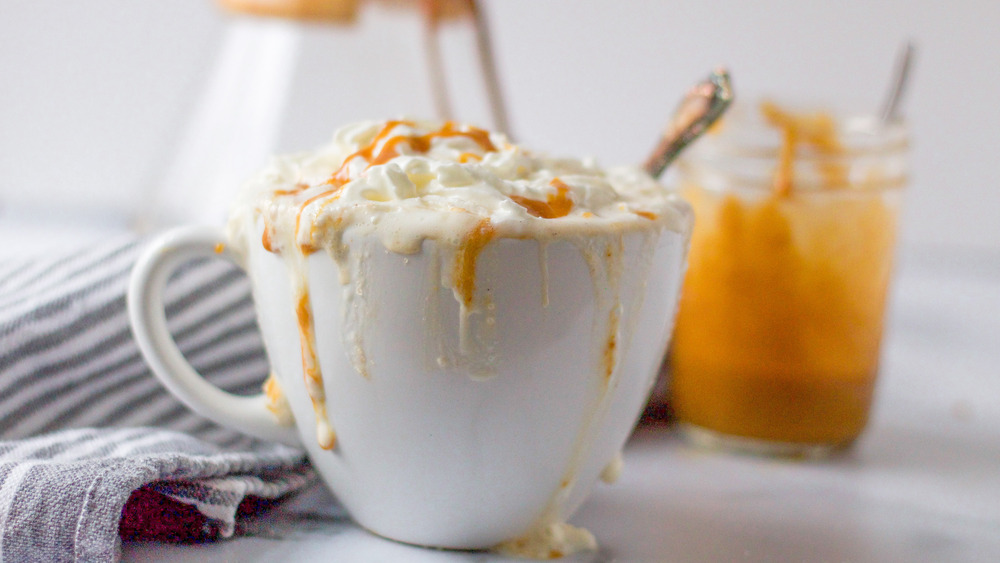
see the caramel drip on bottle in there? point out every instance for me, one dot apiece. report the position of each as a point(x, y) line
point(556, 204)
point(817, 130)
point(311, 371)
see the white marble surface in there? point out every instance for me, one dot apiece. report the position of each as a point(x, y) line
point(922, 485)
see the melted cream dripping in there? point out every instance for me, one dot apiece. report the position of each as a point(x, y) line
point(551, 541)
point(476, 349)
point(550, 536)
point(357, 311)
point(310, 368)
point(646, 254)
point(543, 267)
point(297, 261)
point(613, 470)
point(605, 261)
point(277, 402)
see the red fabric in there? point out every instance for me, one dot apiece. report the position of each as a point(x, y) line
point(149, 515)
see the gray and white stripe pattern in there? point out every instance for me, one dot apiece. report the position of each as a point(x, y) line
point(86, 423)
point(68, 360)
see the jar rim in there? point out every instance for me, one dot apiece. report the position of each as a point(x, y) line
point(860, 154)
point(743, 133)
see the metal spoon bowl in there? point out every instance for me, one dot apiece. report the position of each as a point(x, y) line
point(702, 106)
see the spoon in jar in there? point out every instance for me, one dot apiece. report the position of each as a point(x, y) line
point(900, 78)
point(702, 106)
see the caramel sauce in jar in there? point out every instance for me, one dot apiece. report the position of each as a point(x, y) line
point(776, 348)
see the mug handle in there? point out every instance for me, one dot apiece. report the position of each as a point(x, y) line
point(247, 414)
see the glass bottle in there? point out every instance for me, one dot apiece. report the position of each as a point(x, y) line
point(290, 72)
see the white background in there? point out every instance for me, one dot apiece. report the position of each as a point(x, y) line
point(97, 98)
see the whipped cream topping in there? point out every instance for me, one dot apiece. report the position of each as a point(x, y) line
point(409, 180)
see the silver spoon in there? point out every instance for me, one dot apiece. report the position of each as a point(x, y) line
point(900, 79)
point(702, 106)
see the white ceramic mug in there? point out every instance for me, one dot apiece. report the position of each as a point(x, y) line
point(430, 451)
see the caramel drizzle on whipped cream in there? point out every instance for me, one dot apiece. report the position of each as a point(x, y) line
point(388, 149)
point(555, 205)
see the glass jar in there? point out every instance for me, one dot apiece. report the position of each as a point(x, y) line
point(289, 72)
point(776, 349)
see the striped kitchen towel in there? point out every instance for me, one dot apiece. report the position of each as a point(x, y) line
point(91, 445)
